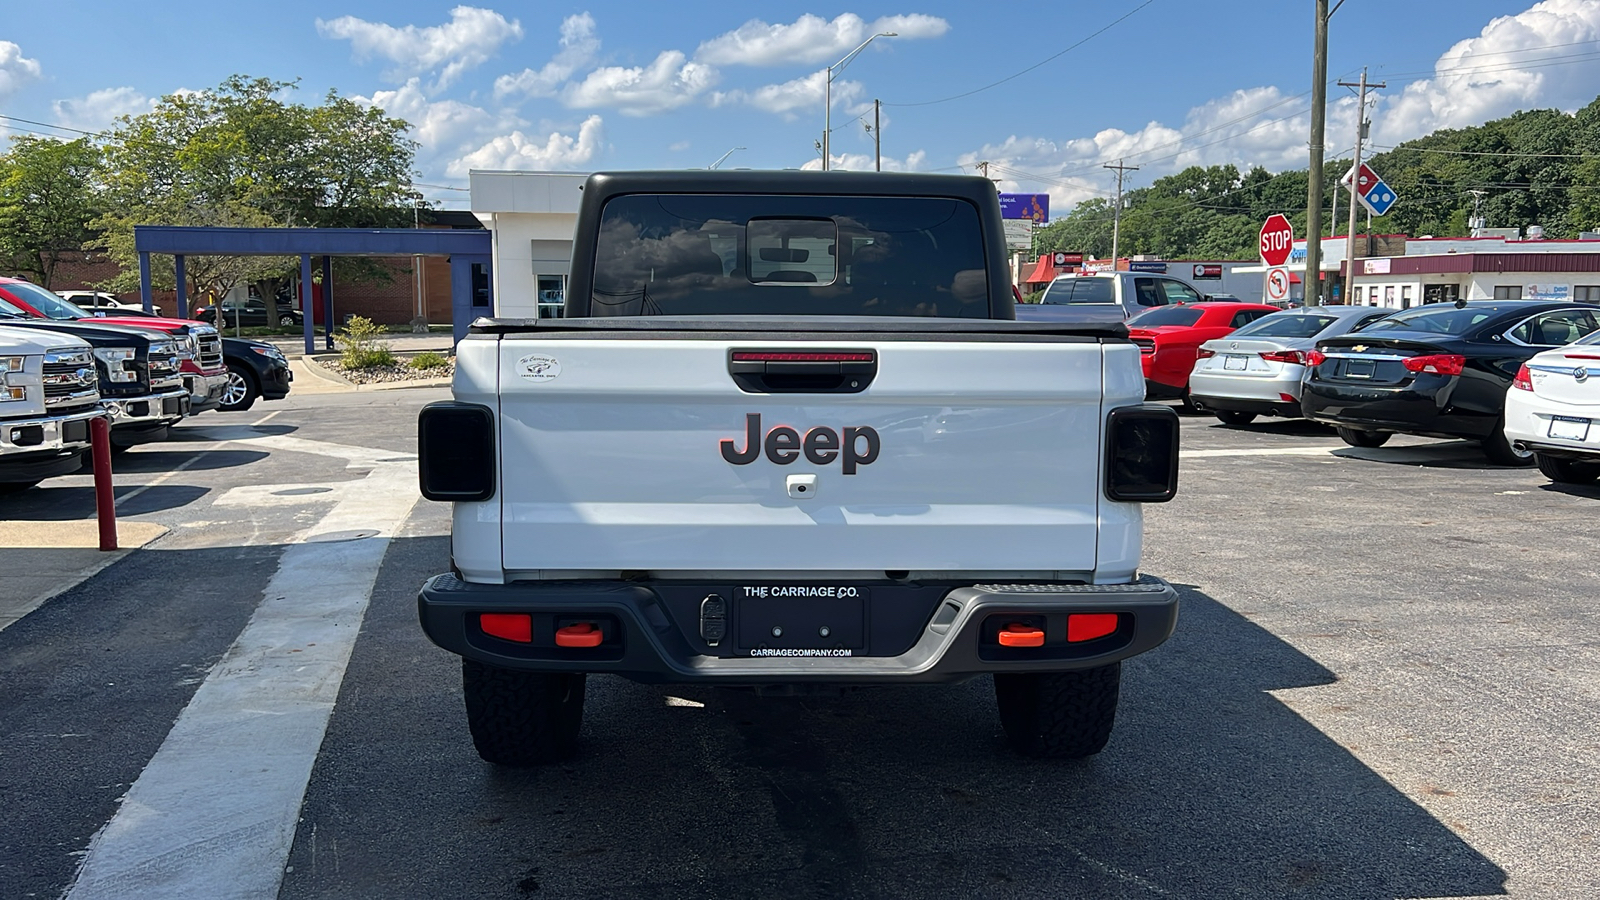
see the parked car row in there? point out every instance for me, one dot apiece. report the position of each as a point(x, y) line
point(61, 367)
point(1514, 376)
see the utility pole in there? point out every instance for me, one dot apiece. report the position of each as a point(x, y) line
point(1355, 182)
point(877, 135)
point(1116, 215)
point(1319, 109)
point(1477, 222)
point(983, 169)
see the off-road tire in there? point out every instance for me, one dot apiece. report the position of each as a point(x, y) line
point(1499, 450)
point(1567, 471)
point(1235, 417)
point(522, 718)
point(1355, 437)
point(1059, 715)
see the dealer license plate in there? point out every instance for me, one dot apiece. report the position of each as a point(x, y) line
point(1236, 363)
point(1571, 428)
point(801, 619)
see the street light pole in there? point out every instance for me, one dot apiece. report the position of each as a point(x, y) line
point(827, 95)
point(723, 157)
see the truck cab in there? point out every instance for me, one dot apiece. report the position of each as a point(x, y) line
point(1107, 296)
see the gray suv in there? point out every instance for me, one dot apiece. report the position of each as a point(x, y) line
point(1107, 296)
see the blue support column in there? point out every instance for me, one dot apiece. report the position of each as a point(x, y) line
point(144, 282)
point(181, 278)
point(309, 319)
point(327, 301)
point(460, 295)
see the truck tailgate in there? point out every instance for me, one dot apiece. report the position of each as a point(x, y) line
point(634, 454)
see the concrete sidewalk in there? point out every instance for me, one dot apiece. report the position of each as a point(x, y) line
point(39, 560)
point(295, 345)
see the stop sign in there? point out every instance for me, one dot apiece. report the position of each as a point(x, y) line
point(1277, 239)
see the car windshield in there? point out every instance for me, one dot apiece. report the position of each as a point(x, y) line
point(807, 255)
point(1079, 290)
point(1449, 320)
point(48, 304)
point(16, 312)
point(1286, 325)
point(1166, 315)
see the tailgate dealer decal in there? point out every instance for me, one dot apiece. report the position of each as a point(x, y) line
point(858, 446)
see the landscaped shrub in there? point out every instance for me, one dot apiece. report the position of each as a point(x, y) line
point(359, 347)
point(428, 359)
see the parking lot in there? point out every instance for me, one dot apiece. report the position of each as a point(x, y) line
point(1384, 683)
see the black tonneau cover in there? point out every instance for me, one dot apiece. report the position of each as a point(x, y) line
point(880, 327)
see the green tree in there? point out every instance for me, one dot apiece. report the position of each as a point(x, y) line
point(48, 196)
point(243, 154)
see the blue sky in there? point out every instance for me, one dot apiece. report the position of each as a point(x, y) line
point(596, 85)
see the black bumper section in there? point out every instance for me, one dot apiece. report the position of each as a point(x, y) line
point(958, 641)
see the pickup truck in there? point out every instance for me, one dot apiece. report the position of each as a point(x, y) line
point(199, 347)
point(788, 436)
point(1107, 296)
point(141, 388)
point(48, 395)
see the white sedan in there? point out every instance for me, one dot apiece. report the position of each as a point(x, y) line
point(102, 302)
point(1553, 409)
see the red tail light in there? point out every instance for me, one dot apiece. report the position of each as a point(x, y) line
point(1315, 357)
point(1206, 354)
point(1284, 356)
point(1524, 379)
point(1580, 356)
point(1437, 364)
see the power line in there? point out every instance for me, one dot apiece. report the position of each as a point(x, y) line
point(1500, 153)
point(1125, 16)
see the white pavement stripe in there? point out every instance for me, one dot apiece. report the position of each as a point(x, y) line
point(1258, 451)
point(213, 814)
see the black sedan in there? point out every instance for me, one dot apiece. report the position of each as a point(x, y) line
point(252, 312)
point(256, 370)
point(1440, 370)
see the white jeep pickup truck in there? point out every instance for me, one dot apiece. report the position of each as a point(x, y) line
point(789, 435)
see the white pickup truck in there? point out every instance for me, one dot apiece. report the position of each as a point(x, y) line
point(49, 392)
point(789, 435)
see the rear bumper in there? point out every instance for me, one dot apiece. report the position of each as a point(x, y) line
point(1256, 388)
point(1528, 420)
point(1387, 409)
point(645, 641)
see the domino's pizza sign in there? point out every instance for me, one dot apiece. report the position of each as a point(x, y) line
point(1380, 198)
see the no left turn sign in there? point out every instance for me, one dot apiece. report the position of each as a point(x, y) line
point(1277, 285)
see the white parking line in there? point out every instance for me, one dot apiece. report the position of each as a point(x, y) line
point(213, 814)
point(1258, 451)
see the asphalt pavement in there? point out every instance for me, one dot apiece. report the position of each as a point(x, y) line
point(1383, 684)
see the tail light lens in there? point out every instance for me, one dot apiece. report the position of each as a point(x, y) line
point(1206, 354)
point(1437, 364)
point(1284, 356)
point(1524, 379)
point(456, 451)
point(1142, 454)
point(1315, 357)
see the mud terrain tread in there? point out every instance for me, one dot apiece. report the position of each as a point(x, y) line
point(1059, 715)
point(522, 718)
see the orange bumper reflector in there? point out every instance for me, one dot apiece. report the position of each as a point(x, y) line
point(1088, 626)
point(583, 634)
point(508, 626)
point(1015, 635)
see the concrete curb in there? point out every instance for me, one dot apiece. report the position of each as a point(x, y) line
point(41, 560)
point(314, 364)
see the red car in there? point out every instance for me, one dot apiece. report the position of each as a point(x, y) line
point(205, 374)
point(1169, 339)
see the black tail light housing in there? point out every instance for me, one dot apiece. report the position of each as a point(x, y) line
point(1142, 454)
point(456, 451)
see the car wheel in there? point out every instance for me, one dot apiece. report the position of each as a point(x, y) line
point(242, 391)
point(286, 321)
point(1355, 437)
point(1567, 471)
point(1059, 715)
point(16, 487)
point(522, 718)
point(1234, 417)
point(1500, 452)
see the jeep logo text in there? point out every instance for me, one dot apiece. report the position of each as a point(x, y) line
point(783, 445)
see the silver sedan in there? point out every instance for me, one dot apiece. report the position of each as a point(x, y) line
point(1256, 370)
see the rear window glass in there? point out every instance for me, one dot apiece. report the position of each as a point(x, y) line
point(1079, 290)
point(1166, 315)
point(1278, 325)
point(1451, 320)
point(690, 254)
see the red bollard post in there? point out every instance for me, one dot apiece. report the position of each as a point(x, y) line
point(105, 502)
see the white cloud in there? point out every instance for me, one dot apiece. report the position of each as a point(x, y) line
point(811, 39)
point(519, 151)
point(440, 126)
point(100, 109)
point(16, 70)
point(469, 39)
point(666, 84)
point(792, 97)
point(1510, 65)
point(579, 46)
point(865, 162)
